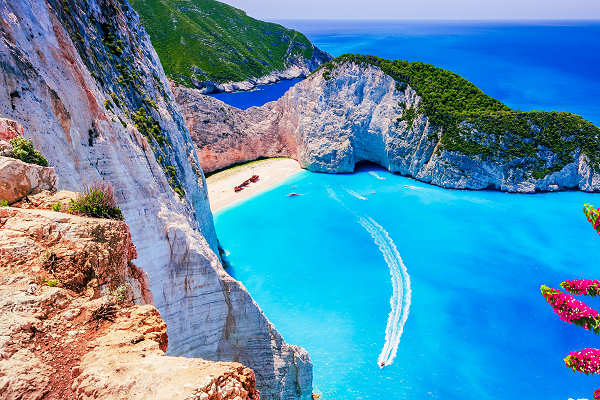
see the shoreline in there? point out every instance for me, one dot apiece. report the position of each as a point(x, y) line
point(271, 171)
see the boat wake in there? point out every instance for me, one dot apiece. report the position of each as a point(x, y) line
point(401, 292)
point(373, 173)
point(354, 194)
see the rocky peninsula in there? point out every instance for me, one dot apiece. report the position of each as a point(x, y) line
point(411, 118)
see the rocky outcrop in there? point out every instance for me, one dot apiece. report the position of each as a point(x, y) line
point(85, 82)
point(76, 320)
point(10, 129)
point(337, 118)
point(226, 136)
point(18, 179)
point(297, 67)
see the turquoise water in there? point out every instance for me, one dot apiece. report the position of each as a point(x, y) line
point(330, 267)
point(477, 327)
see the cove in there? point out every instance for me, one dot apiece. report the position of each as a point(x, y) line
point(477, 325)
point(259, 96)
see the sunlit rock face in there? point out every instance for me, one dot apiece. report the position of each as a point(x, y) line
point(85, 83)
point(330, 123)
point(76, 319)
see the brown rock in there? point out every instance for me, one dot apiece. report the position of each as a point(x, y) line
point(19, 179)
point(10, 129)
point(86, 339)
point(70, 248)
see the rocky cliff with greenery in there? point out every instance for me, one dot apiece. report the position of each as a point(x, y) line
point(84, 81)
point(215, 47)
point(411, 118)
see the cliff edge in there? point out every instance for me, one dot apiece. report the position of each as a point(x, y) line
point(84, 81)
point(76, 315)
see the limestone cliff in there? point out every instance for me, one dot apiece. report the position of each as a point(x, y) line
point(85, 82)
point(352, 111)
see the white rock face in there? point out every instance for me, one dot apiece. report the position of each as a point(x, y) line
point(76, 91)
point(329, 125)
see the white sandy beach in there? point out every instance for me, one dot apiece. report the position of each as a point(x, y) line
point(271, 171)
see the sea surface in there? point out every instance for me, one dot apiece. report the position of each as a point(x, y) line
point(259, 96)
point(322, 265)
point(442, 287)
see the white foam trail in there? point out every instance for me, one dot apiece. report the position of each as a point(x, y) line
point(358, 196)
point(401, 292)
point(373, 173)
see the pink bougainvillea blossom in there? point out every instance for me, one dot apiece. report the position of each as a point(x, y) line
point(584, 287)
point(597, 394)
point(586, 361)
point(572, 310)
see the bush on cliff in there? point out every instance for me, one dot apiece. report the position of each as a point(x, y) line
point(23, 150)
point(97, 201)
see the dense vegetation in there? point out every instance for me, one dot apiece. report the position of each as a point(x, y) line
point(206, 40)
point(23, 150)
point(475, 124)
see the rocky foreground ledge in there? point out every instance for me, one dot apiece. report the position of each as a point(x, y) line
point(76, 315)
point(412, 119)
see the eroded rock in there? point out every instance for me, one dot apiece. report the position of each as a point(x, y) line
point(19, 179)
point(10, 129)
point(76, 323)
point(329, 124)
point(75, 73)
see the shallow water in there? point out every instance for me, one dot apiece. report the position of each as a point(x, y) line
point(477, 327)
point(327, 266)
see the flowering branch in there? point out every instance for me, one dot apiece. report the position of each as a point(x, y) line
point(571, 310)
point(586, 361)
point(583, 287)
point(593, 216)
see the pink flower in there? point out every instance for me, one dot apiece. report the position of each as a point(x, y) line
point(584, 287)
point(593, 216)
point(572, 310)
point(586, 361)
point(597, 394)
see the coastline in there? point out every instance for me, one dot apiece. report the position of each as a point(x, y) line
point(272, 172)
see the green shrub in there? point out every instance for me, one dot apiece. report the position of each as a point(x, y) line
point(53, 282)
point(3, 203)
point(56, 207)
point(49, 282)
point(23, 150)
point(97, 201)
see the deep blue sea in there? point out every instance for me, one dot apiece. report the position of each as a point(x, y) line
point(261, 95)
point(442, 286)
